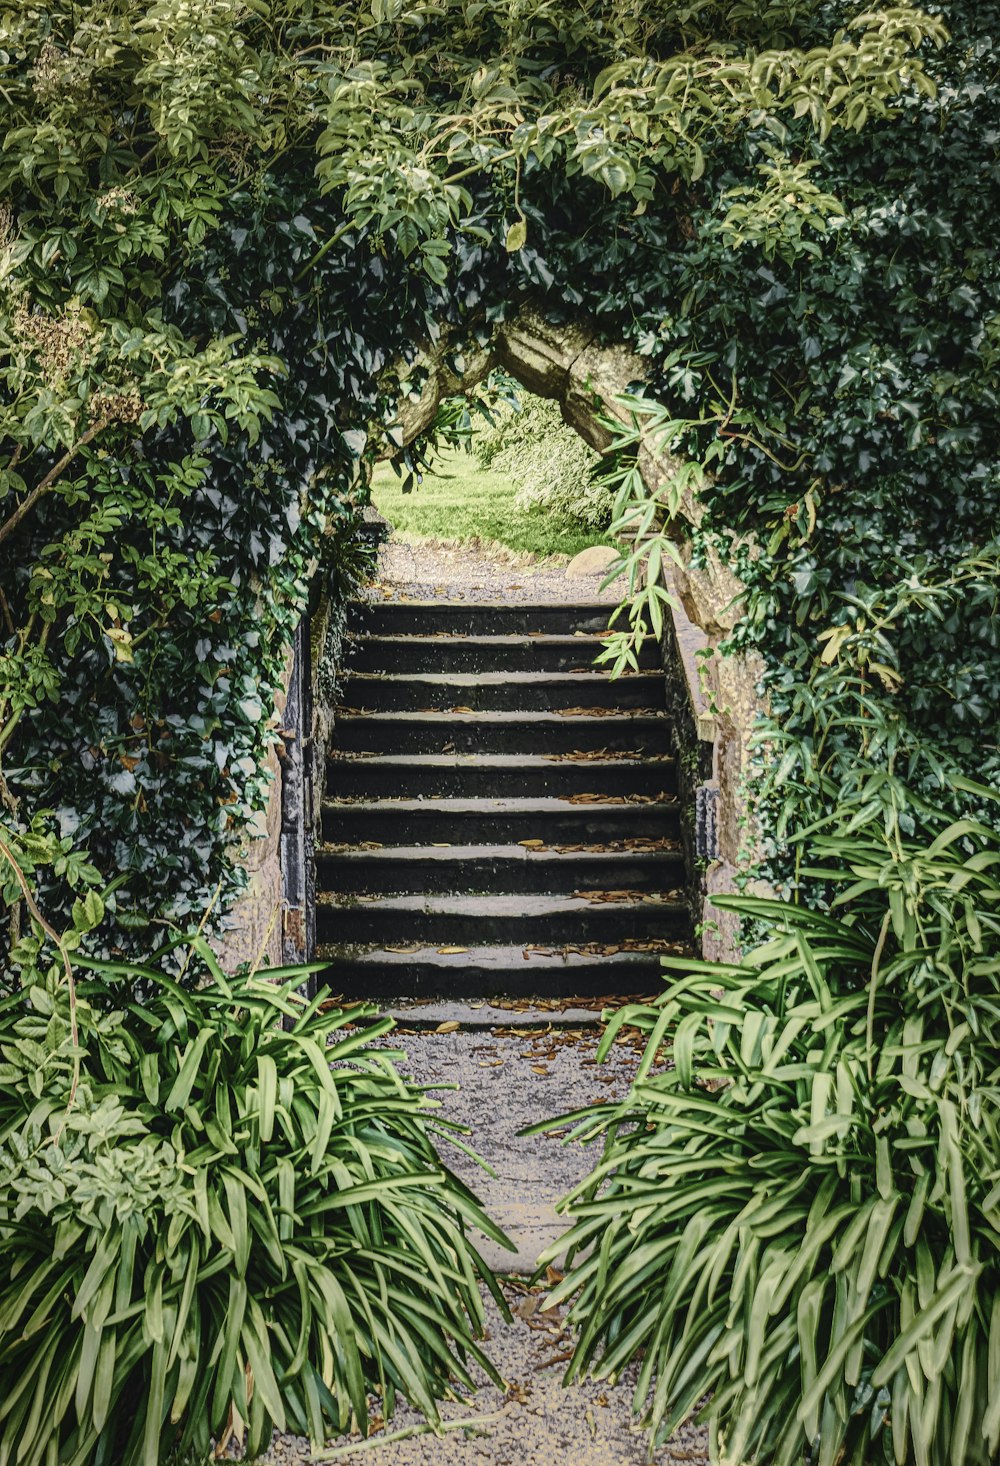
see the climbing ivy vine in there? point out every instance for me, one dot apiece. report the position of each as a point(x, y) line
point(229, 224)
point(829, 391)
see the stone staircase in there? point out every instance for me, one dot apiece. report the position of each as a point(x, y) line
point(500, 816)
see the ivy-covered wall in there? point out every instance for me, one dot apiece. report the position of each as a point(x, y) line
point(786, 219)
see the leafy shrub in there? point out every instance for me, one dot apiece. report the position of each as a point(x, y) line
point(219, 1208)
point(211, 271)
point(889, 714)
point(550, 463)
point(797, 1223)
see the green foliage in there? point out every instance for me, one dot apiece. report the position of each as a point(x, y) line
point(775, 217)
point(220, 1209)
point(225, 228)
point(649, 93)
point(551, 465)
point(794, 1226)
point(214, 269)
point(149, 605)
point(643, 522)
point(883, 716)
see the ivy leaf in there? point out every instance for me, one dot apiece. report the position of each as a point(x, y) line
point(517, 236)
point(121, 643)
point(355, 441)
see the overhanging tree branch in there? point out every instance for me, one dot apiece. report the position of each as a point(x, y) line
point(51, 478)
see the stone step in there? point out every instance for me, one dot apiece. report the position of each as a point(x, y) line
point(501, 732)
point(483, 869)
point(455, 744)
point(494, 776)
point(526, 691)
point(482, 653)
point(495, 822)
point(416, 972)
point(503, 920)
point(482, 618)
point(479, 1015)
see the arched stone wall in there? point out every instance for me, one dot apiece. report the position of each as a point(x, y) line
point(570, 363)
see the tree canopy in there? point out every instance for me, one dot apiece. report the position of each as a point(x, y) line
point(227, 222)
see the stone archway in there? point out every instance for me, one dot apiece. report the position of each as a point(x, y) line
point(573, 364)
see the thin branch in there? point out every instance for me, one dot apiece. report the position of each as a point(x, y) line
point(255, 968)
point(8, 618)
point(438, 1428)
point(324, 249)
point(201, 927)
point(7, 731)
point(481, 167)
point(26, 505)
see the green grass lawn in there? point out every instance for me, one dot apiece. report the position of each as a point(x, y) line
point(460, 500)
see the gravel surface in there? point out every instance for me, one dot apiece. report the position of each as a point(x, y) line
point(416, 570)
point(509, 1078)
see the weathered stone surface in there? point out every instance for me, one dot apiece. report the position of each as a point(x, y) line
point(566, 361)
point(252, 929)
point(570, 363)
point(417, 406)
point(595, 560)
point(711, 597)
point(541, 354)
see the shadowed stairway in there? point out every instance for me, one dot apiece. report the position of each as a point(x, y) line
point(500, 815)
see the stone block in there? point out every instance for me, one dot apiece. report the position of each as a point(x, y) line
point(595, 560)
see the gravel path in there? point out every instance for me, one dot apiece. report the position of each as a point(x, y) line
point(509, 1074)
point(508, 1077)
point(416, 570)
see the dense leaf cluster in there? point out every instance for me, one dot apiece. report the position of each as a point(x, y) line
point(224, 224)
point(830, 381)
point(222, 1211)
point(874, 481)
point(794, 1225)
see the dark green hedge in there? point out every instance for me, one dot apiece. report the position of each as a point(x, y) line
point(858, 343)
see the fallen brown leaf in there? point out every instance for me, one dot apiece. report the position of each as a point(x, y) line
point(579, 712)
